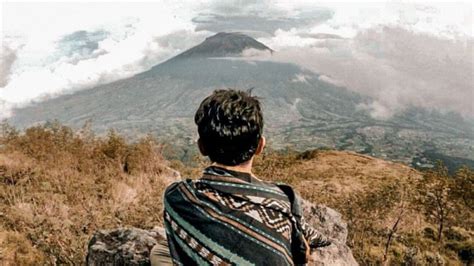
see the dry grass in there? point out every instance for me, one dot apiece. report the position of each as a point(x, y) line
point(58, 186)
point(370, 193)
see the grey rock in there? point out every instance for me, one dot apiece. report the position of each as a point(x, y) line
point(131, 246)
point(329, 222)
point(122, 246)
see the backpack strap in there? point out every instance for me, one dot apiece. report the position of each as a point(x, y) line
point(294, 200)
point(299, 246)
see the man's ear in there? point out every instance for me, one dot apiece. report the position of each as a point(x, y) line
point(261, 145)
point(201, 147)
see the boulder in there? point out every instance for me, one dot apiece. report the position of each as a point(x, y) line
point(131, 246)
point(329, 222)
point(122, 246)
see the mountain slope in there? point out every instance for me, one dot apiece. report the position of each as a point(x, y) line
point(300, 109)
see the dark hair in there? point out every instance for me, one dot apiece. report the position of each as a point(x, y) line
point(230, 125)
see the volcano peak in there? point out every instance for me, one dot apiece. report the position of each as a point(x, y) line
point(224, 44)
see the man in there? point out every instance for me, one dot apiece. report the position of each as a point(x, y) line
point(229, 216)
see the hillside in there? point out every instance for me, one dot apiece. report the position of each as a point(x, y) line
point(301, 109)
point(58, 186)
point(341, 172)
point(379, 198)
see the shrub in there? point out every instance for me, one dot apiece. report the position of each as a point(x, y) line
point(430, 233)
point(58, 186)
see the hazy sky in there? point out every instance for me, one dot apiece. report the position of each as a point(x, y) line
point(399, 53)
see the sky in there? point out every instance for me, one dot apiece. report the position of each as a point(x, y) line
point(401, 54)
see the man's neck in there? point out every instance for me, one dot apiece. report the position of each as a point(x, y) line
point(245, 167)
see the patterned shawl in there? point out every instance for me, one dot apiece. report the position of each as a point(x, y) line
point(232, 218)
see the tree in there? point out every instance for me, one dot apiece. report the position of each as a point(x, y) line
point(463, 196)
point(366, 212)
point(402, 206)
point(7, 133)
point(436, 197)
point(463, 188)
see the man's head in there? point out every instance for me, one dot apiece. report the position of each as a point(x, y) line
point(230, 125)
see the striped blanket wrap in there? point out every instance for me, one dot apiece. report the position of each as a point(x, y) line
point(231, 218)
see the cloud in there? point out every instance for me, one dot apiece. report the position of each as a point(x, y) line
point(179, 41)
point(7, 58)
point(400, 54)
point(81, 45)
point(256, 23)
point(252, 52)
point(299, 78)
point(258, 17)
point(377, 110)
point(5, 109)
point(71, 54)
point(447, 20)
point(397, 67)
point(330, 80)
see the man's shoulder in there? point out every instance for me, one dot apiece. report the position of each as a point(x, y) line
point(288, 190)
point(173, 187)
point(178, 188)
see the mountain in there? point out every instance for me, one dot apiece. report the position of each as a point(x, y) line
point(224, 44)
point(301, 110)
